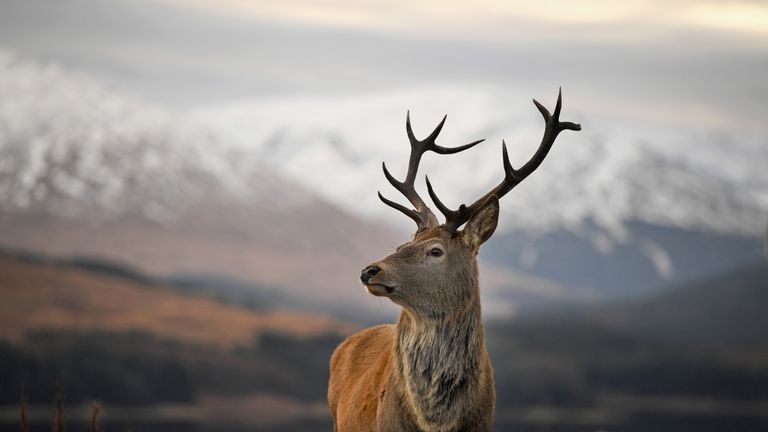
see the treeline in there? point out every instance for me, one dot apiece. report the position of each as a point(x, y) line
point(138, 369)
point(58, 417)
point(567, 363)
point(541, 364)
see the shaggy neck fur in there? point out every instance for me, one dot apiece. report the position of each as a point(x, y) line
point(440, 363)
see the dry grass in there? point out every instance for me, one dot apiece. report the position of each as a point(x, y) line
point(58, 417)
point(265, 246)
point(95, 408)
point(58, 420)
point(23, 407)
point(38, 296)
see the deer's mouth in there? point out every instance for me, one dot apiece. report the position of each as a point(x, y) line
point(379, 290)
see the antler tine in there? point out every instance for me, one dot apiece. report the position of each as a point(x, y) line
point(448, 213)
point(413, 214)
point(421, 214)
point(512, 177)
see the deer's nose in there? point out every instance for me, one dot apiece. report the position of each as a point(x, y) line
point(368, 273)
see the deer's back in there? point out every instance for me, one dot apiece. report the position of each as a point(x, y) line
point(360, 369)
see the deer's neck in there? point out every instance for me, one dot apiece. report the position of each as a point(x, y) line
point(440, 364)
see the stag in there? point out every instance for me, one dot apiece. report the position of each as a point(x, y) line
point(430, 371)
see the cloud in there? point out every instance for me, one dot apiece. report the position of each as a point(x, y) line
point(500, 19)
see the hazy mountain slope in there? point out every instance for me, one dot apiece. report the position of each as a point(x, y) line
point(729, 310)
point(127, 343)
point(726, 311)
point(38, 297)
point(73, 147)
point(611, 208)
point(87, 171)
point(687, 360)
point(658, 148)
point(681, 178)
point(655, 257)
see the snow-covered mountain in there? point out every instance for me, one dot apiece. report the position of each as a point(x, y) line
point(281, 191)
point(602, 177)
point(85, 170)
point(658, 199)
point(74, 147)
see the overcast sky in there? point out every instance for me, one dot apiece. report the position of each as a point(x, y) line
point(694, 63)
point(498, 20)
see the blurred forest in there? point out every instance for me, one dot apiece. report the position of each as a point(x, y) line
point(691, 359)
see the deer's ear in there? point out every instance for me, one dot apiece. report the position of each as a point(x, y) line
point(482, 224)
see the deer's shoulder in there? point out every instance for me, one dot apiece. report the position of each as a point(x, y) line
point(360, 369)
point(367, 344)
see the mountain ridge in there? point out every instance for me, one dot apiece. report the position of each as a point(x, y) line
point(85, 170)
point(708, 180)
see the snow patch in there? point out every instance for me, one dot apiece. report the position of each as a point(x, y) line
point(608, 174)
point(659, 258)
point(72, 146)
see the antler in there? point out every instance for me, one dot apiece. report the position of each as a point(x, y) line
point(422, 215)
point(512, 177)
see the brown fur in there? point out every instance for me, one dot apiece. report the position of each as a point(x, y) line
point(430, 371)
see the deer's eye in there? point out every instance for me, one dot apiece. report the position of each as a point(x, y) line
point(436, 252)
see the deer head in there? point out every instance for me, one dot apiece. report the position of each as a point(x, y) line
point(435, 274)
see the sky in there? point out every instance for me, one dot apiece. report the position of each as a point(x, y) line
point(692, 63)
point(495, 20)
